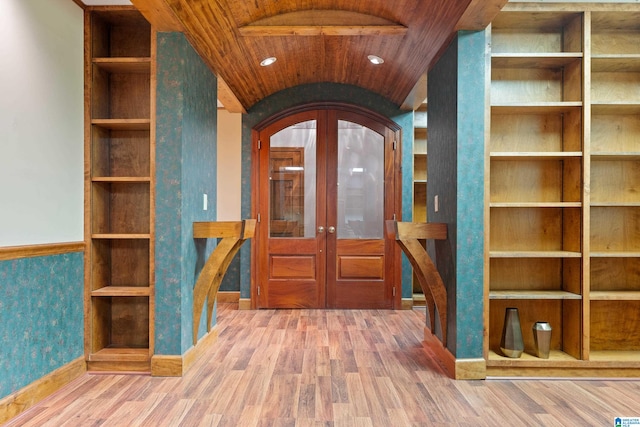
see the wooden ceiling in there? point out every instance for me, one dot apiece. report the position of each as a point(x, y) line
point(319, 41)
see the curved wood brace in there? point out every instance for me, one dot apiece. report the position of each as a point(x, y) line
point(429, 279)
point(408, 236)
point(416, 264)
point(233, 235)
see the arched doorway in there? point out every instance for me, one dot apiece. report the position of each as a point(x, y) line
point(326, 177)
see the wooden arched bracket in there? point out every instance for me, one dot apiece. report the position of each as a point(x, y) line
point(408, 236)
point(233, 234)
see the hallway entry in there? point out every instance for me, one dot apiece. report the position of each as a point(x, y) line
point(326, 179)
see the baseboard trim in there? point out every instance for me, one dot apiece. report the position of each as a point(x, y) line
point(228, 297)
point(459, 369)
point(406, 304)
point(471, 369)
point(28, 396)
point(177, 366)
point(244, 304)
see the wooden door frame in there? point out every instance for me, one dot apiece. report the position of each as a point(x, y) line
point(397, 202)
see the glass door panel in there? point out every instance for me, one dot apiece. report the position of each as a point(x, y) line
point(292, 179)
point(360, 182)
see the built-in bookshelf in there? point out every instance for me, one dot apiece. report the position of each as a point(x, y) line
point(119, 153)
point(564, 181)
point(419, 183)
point(614, 233)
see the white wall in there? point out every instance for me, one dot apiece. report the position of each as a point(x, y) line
point(41, 122)
point(229, 166)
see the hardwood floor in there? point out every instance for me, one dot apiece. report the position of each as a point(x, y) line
point(327, 368)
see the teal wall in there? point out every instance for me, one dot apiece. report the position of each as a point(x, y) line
point(41, 317)
point(186, 125)
point(231, 280)
point(456, 87)
point(328, 92)
point(42, 187)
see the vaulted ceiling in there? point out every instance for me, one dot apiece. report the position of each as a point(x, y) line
point(319, 41)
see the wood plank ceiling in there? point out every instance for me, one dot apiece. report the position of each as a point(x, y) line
point(319, 41)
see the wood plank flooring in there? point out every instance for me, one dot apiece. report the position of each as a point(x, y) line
point(327, 368)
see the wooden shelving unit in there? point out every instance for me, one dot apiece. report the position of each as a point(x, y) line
point(419, 182)
point(120, 182)
point(564, 183)
point(420, 164)
point(536, 164)
point(614, 272)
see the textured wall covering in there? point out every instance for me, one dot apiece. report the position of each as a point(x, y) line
point(456, 174)
point(443, 164)
point(330, 92)
point(473, 54)
point(231, 280)
point(41, 317)
point(186, 126)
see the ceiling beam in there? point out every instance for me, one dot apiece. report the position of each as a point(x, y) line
point(322, 22)
point(479, 14)
point(228, 99)
point(159, 14)
point(417, 96)
point(322, 17)
point(322, 30)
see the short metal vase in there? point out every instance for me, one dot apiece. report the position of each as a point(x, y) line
point(542, 339)
point(511, 343)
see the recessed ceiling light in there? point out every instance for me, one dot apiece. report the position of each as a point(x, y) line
point(268, 61)
point(375, 59)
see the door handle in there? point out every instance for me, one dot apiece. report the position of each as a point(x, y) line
point(320, 230)
point(331, 229)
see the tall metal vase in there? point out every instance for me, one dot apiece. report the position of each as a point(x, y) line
point(512, 344)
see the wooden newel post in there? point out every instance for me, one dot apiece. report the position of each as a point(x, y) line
point(408, 236)
point(233, 234)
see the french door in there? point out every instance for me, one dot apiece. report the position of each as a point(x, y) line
point(327, 179)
